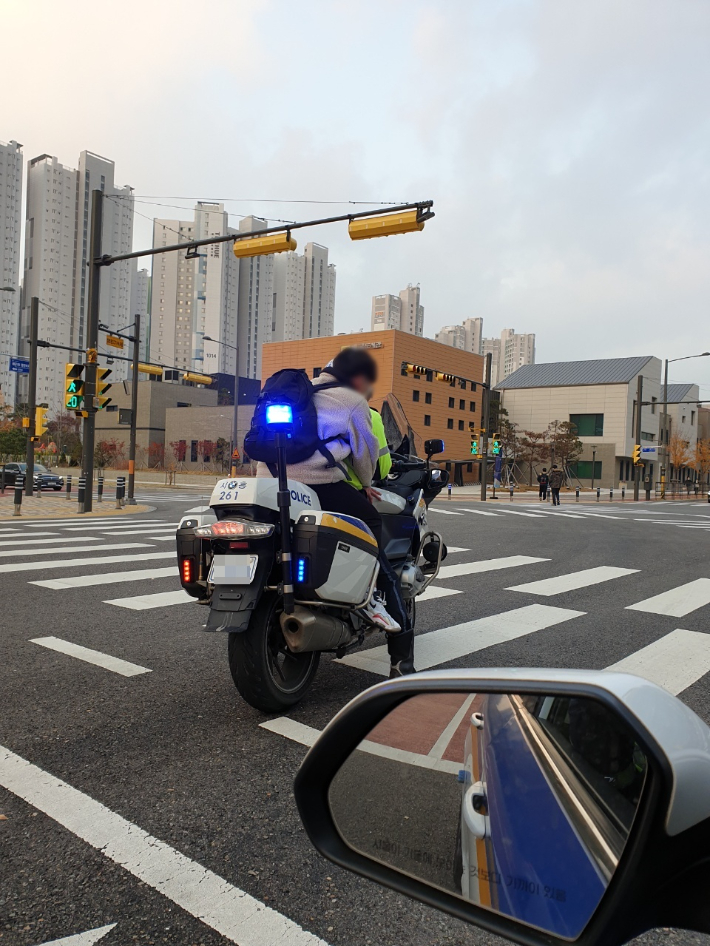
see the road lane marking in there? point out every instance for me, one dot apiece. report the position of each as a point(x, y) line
point(518, 512)
point(445, 512)
point(146, 532)
point(163, 599)
point(71, 549)
point(487, 565)
point(307, 735)
point(87, 938)
point(674, 662)
point(89, 656)
point(155, 523)
point(101, 560)
point(451, 643)
point(434, 591)
point(479, 512)
point(107, 578)
point(52, 523)
point(449, 731)
point(574, 580)
point(455, 548)
point(231, 912)
point(36, 540)
point(678, 601)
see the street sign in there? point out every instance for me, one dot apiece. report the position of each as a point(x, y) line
point(20, 365)
point(114, 341)
point(649, 453)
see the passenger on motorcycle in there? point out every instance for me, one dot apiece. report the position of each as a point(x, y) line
point(343, 414)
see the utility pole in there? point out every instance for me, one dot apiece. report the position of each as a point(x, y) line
point(32, 396)
point(134, 411)
point(664, 433)
point(639, 408)
point(235, 423)
point(92, 344)
point(486, 423)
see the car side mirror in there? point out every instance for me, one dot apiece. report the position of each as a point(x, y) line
point(433, 446)
point(542, 805)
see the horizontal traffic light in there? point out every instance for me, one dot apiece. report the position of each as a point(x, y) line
point(197, 378)
point(150, 369)
point(73, 386)
point(444, 376)
point(264, 246)
point(365, 228)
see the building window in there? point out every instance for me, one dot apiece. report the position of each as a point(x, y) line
point(588, 425)
point(647, 436)
point(692, 418)
point(462, 405)
point(452, 402)
point(427, 397)
point(460, 425)
point(316, 372)
point(653, 404)
point(472, 406)
point(427, 420)
point(582, 469)
point(415, 395)
point(469, 467)
point(193, 451)
point(450, 423)
point(430, 375)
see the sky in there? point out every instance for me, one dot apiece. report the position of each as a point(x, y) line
point(566, 145)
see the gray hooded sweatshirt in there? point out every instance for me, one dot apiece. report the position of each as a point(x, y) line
point(345, 415)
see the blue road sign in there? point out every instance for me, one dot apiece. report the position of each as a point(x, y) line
point(20, 365)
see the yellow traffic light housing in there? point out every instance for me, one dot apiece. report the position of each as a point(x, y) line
point(101, 388)
point(197, 378)
point(40, 421)
point(264, 246)
point(497, 446)
point(73, 387)
point(637, 455)
point(150, 369)
point(365, 228)
point(445, 377)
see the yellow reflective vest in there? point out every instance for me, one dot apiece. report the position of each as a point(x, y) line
point(384, 463)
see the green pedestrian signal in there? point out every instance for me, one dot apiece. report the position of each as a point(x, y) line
point(474, 446)
point(73, 387)
point(496, 448)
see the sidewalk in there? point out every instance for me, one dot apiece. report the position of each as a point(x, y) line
point(59, 507)
point(472, 493)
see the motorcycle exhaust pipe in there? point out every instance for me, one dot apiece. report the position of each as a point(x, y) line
point(305, 631)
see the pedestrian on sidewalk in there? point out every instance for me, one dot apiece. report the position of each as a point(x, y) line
point(543, 482)
point(557, 478)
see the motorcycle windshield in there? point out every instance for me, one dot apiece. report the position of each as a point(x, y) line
point(401, 437)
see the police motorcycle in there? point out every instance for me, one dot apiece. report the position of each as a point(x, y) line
point(286, 579)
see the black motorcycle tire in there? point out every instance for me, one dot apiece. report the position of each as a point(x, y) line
point(266, 684)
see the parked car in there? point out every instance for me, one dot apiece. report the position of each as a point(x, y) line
point(43, 478)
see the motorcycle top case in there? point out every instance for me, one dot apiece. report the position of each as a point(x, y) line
point(334, 558)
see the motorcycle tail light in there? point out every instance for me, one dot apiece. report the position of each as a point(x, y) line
point(188, 570)
point(235, 527)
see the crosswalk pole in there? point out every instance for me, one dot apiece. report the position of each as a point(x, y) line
point(623, 493)
point(449, 488)
point(576, 494)
point(81, 494)
point(19, 488)
point(598, 493)
point(611, 494)
point(69, 486)
point(100, 490)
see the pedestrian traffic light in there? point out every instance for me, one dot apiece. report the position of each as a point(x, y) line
point(497, 446)
point(101, 388)
point(474, 446)
point(73, 387)
point(40, 421)
point(364, 228)
point(637, 455)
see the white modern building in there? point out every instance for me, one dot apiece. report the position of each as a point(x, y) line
point(194, 296)
point(468, 336)
point(57, 231)
point(10, 209)
point(683, 413)
point(304, 295)
point(508, 353)
point(453, 335)
point(403, 312)
point(140, 305)
point(492, 347)
point(256, 303)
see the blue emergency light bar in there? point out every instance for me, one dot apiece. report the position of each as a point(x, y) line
point(279, 414)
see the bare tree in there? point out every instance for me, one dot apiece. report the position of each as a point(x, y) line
point(533, 448)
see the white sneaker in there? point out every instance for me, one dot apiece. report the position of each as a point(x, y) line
point(376, 613)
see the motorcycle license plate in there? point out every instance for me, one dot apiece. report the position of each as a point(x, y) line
point(233, 569)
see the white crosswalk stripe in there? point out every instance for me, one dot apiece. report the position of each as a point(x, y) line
point(22, 541)
point(677, 602)
point(74, 562)
point(674, 662)
point(446, 512)
point(478, 512)
point(146, 532)
point(487, 565)
point(72, 549)
point(572, 581)
point(452, 643)
point(518, 512)
point(160, 600)
point(108, 578)
point(115, 664)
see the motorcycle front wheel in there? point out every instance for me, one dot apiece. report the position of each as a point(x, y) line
point(267, 674)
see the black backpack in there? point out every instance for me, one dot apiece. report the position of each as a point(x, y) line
point(289, 386)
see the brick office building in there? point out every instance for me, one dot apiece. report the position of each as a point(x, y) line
point(433, 408)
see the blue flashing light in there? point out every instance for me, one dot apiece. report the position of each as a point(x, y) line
point(301, 570)
point(279, 414)
point(443, 446)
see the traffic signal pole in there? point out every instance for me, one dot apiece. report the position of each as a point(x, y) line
point(92, 343)
point(32, 396)
point(639, 408)
point(486, 423)
point(134, 411)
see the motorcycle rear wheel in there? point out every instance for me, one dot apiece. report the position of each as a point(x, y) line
point(268, 676)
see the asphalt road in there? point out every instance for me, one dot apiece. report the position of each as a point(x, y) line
point(171, 750)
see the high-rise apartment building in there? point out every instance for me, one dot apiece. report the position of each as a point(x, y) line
point(453, 335)
point(304, 295)
point(10, 208)
point(492, 347)
point(57, 232)
point(515, 351)
point(508, 353)
point(196, 296)
point(140, 305)
point(473, 329)
point(403, 312)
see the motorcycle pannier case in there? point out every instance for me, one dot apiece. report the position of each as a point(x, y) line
point(334, 558)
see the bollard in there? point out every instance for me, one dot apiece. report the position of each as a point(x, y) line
point(598, 492)
point(69, 486)
point(511, 492)
point(2, 480)
point(100, 490)
point(120, 490)
point(623, 493)
point(576, 494)
point(449, 488)
point(19, 490)
point(81, 494)
point(611, 494)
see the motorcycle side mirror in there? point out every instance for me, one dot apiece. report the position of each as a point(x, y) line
point(542, 805)
point(433, 446)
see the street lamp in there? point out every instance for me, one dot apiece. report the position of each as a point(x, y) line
point(594, 463)
point(235, 425)
point(705, 354)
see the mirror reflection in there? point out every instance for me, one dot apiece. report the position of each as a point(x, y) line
point(521, 804)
